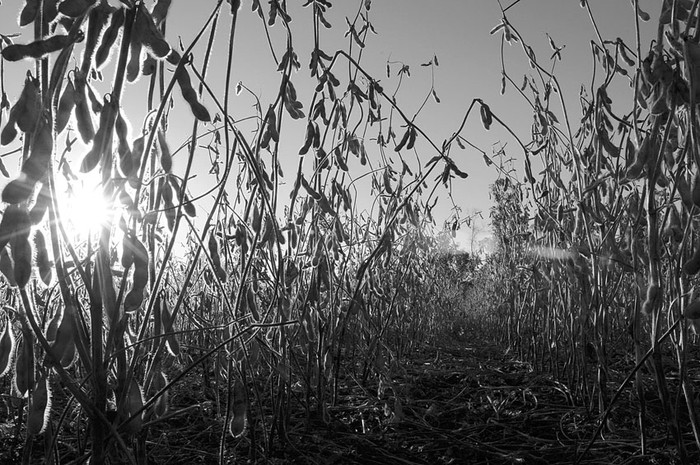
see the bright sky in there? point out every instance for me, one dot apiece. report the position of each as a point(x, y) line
point(409, 31)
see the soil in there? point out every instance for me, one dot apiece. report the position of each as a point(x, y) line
point(463, 404)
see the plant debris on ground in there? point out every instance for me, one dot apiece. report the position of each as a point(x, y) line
point(466, 403)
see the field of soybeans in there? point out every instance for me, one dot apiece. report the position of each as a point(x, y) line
point(271, 282)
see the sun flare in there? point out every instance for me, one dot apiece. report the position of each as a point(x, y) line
point(83, 206)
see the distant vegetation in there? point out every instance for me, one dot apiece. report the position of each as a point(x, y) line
point(276, 301)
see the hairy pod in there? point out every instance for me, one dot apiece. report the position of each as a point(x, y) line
point(127, 251)
point(133, 403)
point(190, 95)
point(270, 132)
point(96, 153)
point(150, 36)
point(166, 159)
point(133, 67)
point(41, 205)
point(64, 342)
point(183, 198)
point(128, 203)
point(160, 11)
point(174, 58)
point(37, 164)
point(215, 258)
point(695, 190)
point(22, 256)
point(50, 10)
point(18, 190)
point(409, 145)
point(109, 38)
point(75, 8)
point(122, 129)
point(27, 109)
point(7, 348)
point(12, 217)
point(692, 266)
point(20, 246)
point(42, 258)
point(9, 132)
point(83, 115)
point(131, 167)
point(171, 341)
point(188, 206)
point(7, 267)
point(402, 142)
point(311, 131)
point(52, 327)
point(37, 49)
point(139, 255)
point(39, 406)
point(293, 237)
point(257, 219)
point(251, 304)
point(239, 409)
point(66, 104)
point(134, 252)
point(126, 165)
point(267, 231)
point(29, 12)
point(486, 117)
point(95, 102)
point(291, 273)
point(149, 65)
point(160, 407)
point(134, 299)
point(166, 191)
point(641, 157)
point(214, 248)
point(673, 229)
point(21, 372)
point(684, 192)
point(240, 234)
point(653, 293)
point(170, 214)
point(33, 168)
point(99, 18)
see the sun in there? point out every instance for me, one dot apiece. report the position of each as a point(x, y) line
point(82, 205)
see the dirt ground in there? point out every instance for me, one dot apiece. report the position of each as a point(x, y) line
point(463, 404)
